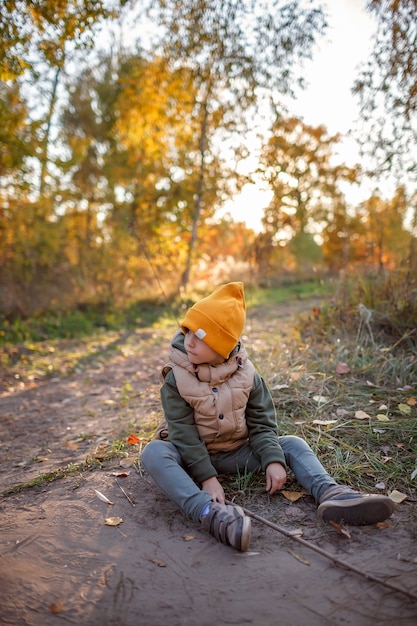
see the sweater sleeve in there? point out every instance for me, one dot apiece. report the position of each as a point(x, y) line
point(183, 432)
point(262, 425)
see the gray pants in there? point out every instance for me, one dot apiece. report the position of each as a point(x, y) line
point(162, 461)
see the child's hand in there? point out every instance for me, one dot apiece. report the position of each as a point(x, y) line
point(276, 477)
point(214, 488)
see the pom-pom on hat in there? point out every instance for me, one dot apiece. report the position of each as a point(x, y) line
point(219, 318)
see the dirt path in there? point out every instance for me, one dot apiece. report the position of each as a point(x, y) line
point(60, 562)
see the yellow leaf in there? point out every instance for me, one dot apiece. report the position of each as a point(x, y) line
point(113, 521)
point(397, 496)
point(383, 525)
point(404, 409)
point(382, 418)
point(411, 401)
point(292, 496)
point(361, 415)
point(299, 557)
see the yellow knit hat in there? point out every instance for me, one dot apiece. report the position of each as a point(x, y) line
point(219, 319)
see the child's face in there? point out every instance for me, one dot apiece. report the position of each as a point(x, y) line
point(199, 352)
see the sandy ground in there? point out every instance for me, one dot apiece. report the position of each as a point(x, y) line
point(61, 563)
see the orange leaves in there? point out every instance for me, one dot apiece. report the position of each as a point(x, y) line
point(292, 496)
point(340, 529)
point(132, 440)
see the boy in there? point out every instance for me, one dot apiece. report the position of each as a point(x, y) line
point(220, 419)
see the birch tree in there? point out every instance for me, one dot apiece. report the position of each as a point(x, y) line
point(244, 55)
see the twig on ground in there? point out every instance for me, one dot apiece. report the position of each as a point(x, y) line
point(329, 556)
point(124, 492)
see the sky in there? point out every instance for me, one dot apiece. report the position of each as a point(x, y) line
point(327, 99)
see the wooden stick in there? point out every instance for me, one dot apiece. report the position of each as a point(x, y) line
point(124, 492)
point(329, 556)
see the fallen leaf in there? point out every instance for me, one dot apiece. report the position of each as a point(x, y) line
point(414, 474)
point(385, 459)
point(341, 412)
point(128, 462)
point(340, 529)
point(102, 451)
point(412, 401)
point(278, 387)
point(397, 496)
point(71, 445)
point(189, 537)
point(342, 368)
point(297, 532)
point(380, 486)
point(120, 474)
point(382, 525)
point(320, 399)
point(299, 557)
point(113, 521)
point(102, 497)
point(404, 409)
point(56, 607)
point(292, 496)
point(157, 562)
point(383, 407)
point(382, 418)
point(361, 415)
point(324, 422)
point(132, 440)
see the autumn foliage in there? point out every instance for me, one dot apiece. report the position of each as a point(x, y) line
point(114, 161)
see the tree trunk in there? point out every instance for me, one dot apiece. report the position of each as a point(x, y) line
point(198, 202)
point(45, 142)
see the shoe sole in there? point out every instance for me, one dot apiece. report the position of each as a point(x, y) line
point(246, 532)
point(246, 529)
point(357, 511)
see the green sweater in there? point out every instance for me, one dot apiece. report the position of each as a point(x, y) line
point(260, 419)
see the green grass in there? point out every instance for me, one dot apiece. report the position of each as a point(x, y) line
point(81, 323)
point(277, 295)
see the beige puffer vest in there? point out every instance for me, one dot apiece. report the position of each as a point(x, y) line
point(218, 395)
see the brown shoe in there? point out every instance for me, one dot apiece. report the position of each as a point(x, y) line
point(228, 524)
point(342, 504)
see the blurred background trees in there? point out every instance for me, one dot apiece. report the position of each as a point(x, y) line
point(123, 127)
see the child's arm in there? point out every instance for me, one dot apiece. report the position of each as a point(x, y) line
point(262, 425)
